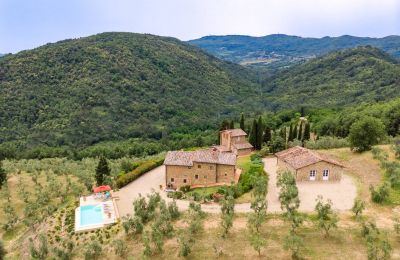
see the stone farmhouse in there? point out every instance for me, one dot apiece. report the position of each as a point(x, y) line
point(309, 165)
point(234, 140)
point(199, 168)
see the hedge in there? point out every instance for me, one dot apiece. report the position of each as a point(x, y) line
point(143, 167)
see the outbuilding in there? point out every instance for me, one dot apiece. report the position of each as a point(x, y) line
point(308, 165)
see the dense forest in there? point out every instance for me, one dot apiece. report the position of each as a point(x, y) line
point(115, 86)
point(279, 50)
point(340, 78)
point(125, 94)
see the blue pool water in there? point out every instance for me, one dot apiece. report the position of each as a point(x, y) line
point(91, 215)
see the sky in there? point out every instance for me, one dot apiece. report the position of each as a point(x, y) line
point(26, 24)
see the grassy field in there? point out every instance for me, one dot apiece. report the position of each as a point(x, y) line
point(344, 243)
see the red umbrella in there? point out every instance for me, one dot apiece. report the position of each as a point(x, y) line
point(101, 188)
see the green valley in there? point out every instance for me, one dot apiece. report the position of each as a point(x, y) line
point(280, 50)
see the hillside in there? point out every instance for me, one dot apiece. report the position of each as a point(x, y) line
point(113, 86)
point(341, 78)
point(279, 50)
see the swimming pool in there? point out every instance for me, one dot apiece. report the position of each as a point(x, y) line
point(91, 215)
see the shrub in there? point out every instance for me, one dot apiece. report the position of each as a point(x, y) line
point(380, 194)
point(185, 188)
point(264, 151)
point(175, 195)
point(120, 248)
point(196, 196)
point(327, 142)
point(358, 208)
point(392, 172)
point(93, 251)
point(379, 154)
point(139, 171)
point(173, 210)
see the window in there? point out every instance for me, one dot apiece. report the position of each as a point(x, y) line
point(205, 176)
point(184, 180)
point(226, 174)
point(189, 167)
point(199, 166)
point(172, 180)
point(312, 175)
point(196, 176)
point(211, 167)
point(325, 175)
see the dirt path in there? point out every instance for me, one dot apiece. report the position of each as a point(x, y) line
point(341, 193)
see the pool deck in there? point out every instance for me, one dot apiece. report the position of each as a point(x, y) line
point(110, 216)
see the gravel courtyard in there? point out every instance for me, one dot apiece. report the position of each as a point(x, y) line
point(342, 194)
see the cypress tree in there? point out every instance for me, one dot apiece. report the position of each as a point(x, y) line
point(300, 134)
point(231, 125)
point(307, 131)
point(225, 125)
point(290, 137)
point(295, 131)
point(242, 122)
point(267, 135)
point(102, 171)
point(260, 127)
point(253, 134)
point(283, 133)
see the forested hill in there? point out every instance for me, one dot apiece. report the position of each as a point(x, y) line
point(116, 85)
point(279, 50)
point(341, 78)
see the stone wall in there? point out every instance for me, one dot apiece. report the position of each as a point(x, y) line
point(335, 172)
point(303, 174)
point(238, 139)
point(225, 139)
point(242, 152)
point(225, 173)
point(198, 174)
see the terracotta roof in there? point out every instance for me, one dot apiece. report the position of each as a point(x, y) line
point(181, 158)
point(235, 132)
point(299, 157)
point(240, 146)
point(221, 148)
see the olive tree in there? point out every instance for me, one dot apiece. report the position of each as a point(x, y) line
point(257, 218)
point(227, 211)
point(327, 218)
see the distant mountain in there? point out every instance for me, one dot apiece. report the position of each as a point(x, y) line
point(279, 50)
point(116, 85)
point(340, 78)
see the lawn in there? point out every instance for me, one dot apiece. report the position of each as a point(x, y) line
point(204, 192)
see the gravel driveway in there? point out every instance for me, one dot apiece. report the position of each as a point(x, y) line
point(341, 193)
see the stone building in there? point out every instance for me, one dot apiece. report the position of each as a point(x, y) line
point(309, 165)
point(234, 140)
point(203, 167)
